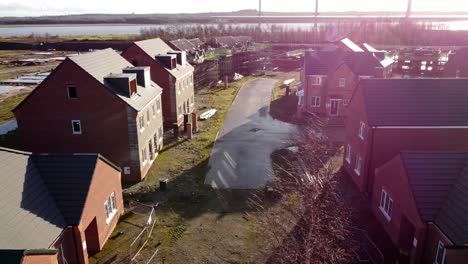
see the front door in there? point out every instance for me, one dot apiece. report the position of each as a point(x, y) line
point(406, 240)
point(334, 107)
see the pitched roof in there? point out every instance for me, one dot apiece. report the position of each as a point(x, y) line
point(42, 194)
point(322, 62)
point(362, 63)
point(154, 47)
point(196, 41)
point(415, 102)
point(351, 46)
point(68, 178)
point(100, 64)
point(184, 45)
point(30, 217)
point(439, 181)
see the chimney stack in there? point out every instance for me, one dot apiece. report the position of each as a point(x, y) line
point(181, 56)
point(169, 60)
point(143, 75)
point(124, 83)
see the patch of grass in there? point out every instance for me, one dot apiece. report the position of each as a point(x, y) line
point(7, 105)
point(212, 55)
point(185, 164)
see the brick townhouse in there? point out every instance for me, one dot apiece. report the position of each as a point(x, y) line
point(56, 208)
point(171, 71)
point(96, 103)
point(330, 77)
point(387, 116)
point(421, 200)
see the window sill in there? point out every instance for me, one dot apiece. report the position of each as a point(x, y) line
point(315, 106)
point(142, 129)
point(111, 216)
point(348, 160)
point(361, 137)
point(389, 218)
point(144, 163)
point(357, 172)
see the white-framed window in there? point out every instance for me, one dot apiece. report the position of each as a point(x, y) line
point(161, 133)
point(348, 153)
point(148, 116)
point(144, 155)
point(110, 207)
point(316, 80)
point(440, 255)
point(386, 205)
point(76, 127)
point(72, 92)
point(141, 122)
point(191, 79)
point(180, 110)
point(150, 149)
point(315, 101)
point(342, 82)
point(158, 105)
point(192, 100)
point(362, 128)
point(153, 107)
point(357, 166)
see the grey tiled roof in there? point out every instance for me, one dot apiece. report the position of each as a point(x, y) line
point(362, 63)
point(153, 47)
point(196, 41)
point(322, 62)
point(439, 181)
point(40, 195)
point(100, 64)
point(184, 45)
point(416, 102)
point(68, 178)
point(30, 217)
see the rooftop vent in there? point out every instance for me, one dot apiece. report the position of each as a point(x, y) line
point(123, 83)
point(181, 56)
point(169, 60)
point(143, 75)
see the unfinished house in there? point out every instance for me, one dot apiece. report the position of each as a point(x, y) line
point(56, 208)
point(96, 103)
point(171, 71)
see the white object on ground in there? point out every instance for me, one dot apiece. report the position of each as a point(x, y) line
point(238, 77)
point(208, 114)
point(288, 82)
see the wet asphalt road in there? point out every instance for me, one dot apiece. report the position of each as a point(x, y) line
point(241, 154)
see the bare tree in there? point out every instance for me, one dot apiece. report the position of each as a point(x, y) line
point(308, 222)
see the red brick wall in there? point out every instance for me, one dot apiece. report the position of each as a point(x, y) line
point(105, 181)
point(345, 93)
point(161, 77)
point(311, 90)
point(357, 114)
point(40, 259)
point(388, 142)
point(453, 255)
point(382, 144)
point(44, 119)
point(392, 178)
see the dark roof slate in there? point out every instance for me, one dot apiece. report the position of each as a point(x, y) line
point(27, 205)
point(416, 102)
point(42, 194)
point(103, 63)
point(362, 63)
point(184, 45)
point(439, 181)
point(68, 178)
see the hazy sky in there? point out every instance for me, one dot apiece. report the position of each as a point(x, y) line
point(59, 7)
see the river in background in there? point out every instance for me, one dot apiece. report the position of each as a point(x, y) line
point(90, 30)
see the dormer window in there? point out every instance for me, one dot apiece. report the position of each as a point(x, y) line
point(72, 94)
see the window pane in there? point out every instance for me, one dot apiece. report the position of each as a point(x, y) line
point(382, 199)
point(390, 208)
